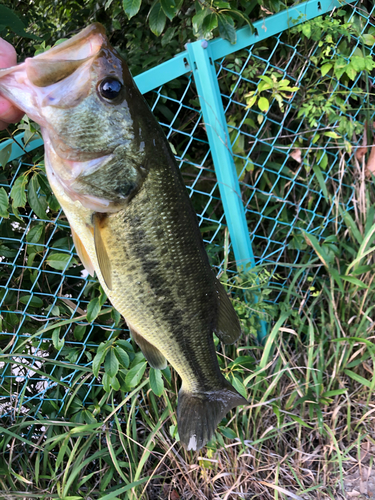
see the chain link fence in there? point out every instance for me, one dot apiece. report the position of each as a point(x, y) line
point(294, 153)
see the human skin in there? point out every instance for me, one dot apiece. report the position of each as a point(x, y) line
point(8, 112)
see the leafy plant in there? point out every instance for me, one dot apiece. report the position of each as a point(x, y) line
point(278, 87)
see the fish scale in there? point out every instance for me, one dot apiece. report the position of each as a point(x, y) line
point(113, 172)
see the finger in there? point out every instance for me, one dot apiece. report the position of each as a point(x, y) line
point(8, 113)
point(8, 54)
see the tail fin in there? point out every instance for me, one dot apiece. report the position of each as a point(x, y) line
point(199, 413)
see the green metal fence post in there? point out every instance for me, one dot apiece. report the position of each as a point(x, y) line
point(202, 64)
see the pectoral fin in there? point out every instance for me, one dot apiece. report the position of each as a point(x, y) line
point(83, 255)
point(150, 352)
point(98, 221)
point(228, 327)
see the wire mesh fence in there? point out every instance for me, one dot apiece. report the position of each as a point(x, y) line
point(294, 154)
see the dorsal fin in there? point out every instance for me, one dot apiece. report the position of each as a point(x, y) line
point(82, 253)
point(150, 352)
point(105, 267)
point(228, 327)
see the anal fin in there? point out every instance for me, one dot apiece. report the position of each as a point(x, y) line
point(150, 352)
point(98, 220)
point(82, 253)
point(228, 327)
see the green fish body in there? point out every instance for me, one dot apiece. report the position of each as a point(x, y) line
point(112, 170)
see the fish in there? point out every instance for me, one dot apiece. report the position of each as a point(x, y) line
point(112, 170)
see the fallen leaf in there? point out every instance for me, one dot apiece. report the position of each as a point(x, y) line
point(360, 153)
point(265, 10)
point(370, 167)
point(362, 150)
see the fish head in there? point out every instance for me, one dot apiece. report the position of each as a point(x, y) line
point(82, 95)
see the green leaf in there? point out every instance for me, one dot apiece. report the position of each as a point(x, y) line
point(210, 22)
point(226, 28)
point(4, 204)
point(323, 159)
point(320, 179)
point(133, 377)
point(116, 316)
point(351, 71)
point(7, 252)
point(156, 382)
point(5, 154)
point(325, 68)
point(337, 392)
point(352, 226)
point(34, 300)
point(354, 281)
point(251, 101)
point(131, 7)
point(199, 18)
point(157, 19)
point(57, 342)
point(99, 357)
point(115, 384)
point(263, 104)
point(264, 86)
point(358, 378)
point(239, 387)
point(358, 63)
point(10, 20)
point(79, 332)
point(35, 233)
point(306, 29)
point(60, 261)
point(125, 345)
point(312, 241)
point(18, 193)
point(299, 421)
point(368, 39)
point(168, 36)
point(122, 489)
point(106, 381)
point(122, 356)
point(227, 432)
point(93, 309)
point(38, 204)
point(336, 276)
point(111, 364)
point(170, 8)
point(222, 5)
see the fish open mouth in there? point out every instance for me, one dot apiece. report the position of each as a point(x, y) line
point(35, 83)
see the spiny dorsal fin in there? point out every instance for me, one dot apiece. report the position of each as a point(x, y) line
point(228, 327)
point(83, 255)
point(150, 352)
point(98, 221)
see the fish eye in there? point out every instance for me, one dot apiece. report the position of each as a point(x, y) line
point(110, 88)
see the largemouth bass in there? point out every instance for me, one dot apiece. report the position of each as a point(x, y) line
point(112, 170)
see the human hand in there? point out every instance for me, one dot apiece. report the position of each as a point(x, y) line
point(8, 112)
